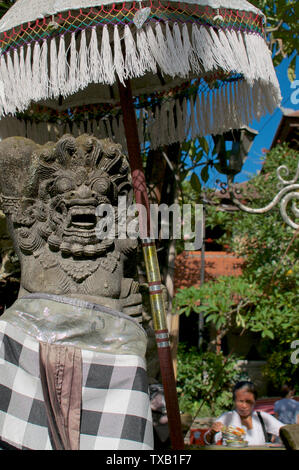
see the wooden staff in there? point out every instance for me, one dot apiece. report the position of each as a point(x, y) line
point(152, 268)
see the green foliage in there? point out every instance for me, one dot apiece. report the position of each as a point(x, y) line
point(281, 29)
point(216, 218)
point(280, 369)
point(276, 317)
point(265, 298)
point(270, 248)
point(269, 245)
point(196, 160)
point(205, 381)
point(225, 303)
point(187, 301)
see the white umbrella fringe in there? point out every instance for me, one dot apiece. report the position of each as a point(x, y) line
point(169, 121)
point(190, 117)
point(175, 50)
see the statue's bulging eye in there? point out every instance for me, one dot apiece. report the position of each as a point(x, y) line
point(101, 185)
point(64, 184)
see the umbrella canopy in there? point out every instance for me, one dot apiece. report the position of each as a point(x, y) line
point(74, 49)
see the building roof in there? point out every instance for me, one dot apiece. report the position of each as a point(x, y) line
point(287, 130)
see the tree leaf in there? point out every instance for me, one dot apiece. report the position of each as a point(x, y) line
point(204, 144)
point(195, 182)
point(292, 69)
point(205, 173)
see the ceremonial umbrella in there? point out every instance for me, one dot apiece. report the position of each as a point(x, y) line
point(91, 51)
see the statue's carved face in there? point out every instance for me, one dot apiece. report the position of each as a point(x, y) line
point(66, 183)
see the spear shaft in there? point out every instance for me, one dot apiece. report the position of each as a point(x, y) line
point(152, 268)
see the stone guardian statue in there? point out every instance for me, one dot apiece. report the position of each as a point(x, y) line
point(77, 316)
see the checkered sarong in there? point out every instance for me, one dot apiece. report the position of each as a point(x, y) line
point(115, 412)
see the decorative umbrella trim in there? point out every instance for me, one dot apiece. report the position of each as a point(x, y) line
point(175, 39)
point(48, 113)
point(169, 121)
point(124, 14)
point(176, 51)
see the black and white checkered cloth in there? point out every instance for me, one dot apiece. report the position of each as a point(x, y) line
point(116, 412)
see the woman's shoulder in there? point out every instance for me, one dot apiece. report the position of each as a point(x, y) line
point(267, 417)
point(263, 414)
point(226, 417)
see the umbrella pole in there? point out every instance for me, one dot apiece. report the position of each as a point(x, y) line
point(152, 269)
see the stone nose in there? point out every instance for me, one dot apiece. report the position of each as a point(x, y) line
point(83, 192)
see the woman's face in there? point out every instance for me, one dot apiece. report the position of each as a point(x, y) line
point(244, 403)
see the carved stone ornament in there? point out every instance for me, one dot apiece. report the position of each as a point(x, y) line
point(50, 194)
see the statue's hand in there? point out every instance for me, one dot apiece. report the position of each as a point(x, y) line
point(132, 305)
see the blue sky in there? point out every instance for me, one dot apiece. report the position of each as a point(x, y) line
point(267, 126)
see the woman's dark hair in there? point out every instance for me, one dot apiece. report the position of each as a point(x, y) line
point(285, 389)
point(246, 386)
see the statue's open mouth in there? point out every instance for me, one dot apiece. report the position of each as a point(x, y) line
point(84, 221)
point(82, 218)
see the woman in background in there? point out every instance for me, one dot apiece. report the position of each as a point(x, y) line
point(255, 424)
point(287, 409)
